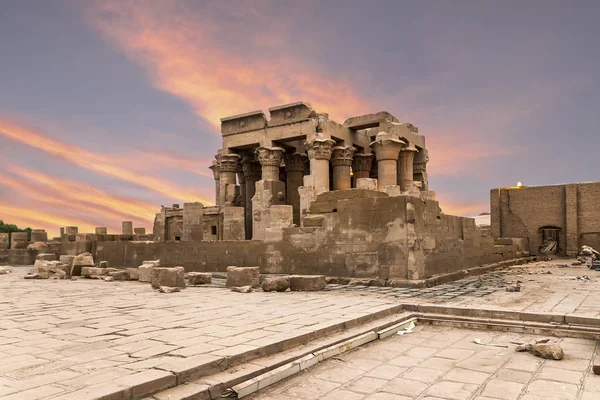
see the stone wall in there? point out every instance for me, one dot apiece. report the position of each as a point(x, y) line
point(355, 233)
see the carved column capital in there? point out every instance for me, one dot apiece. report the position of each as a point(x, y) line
point(228, 162)
point(342, 156)
point(270, 156)
point(387, 146)
point(295, 162)
point(215, 169)
point(320, 149)
point(362, 162)
point(251, 167)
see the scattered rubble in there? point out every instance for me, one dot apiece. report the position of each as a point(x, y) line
point(198, 278)
point(514, 288)
point(4, 270)
point(542, 348)
point(80, 261)
point(168, 289)
point(276, 284)
point(242, 289)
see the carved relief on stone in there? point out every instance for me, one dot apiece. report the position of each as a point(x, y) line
point(295, 162)
point(228, 162)
point(320, 149)
point(251, 168)
point(342, 156)
point(270, 156)
point(362, 162)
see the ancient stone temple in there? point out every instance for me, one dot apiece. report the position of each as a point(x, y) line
point(300, 193)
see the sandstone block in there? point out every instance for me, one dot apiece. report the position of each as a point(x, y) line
point(67, 260)
point(276, 284)
point(51, 272)
point(199, 278)
point(82, 260)
point(46, 256)
point(242, 289)
point(167, 289)
point(4, 270)
point(40, 247)
point(87, 272)
point(134, 274)
point(307, 283)
point(313, 220)
point(103, 264)
point(366, 183)
point(154, 263)
point(550, 351)
point(243, 276)
point(122, 275)
point(145, 272)
point(171, 277)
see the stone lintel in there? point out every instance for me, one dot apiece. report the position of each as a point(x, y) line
point(247, 122)
point(291, 113)
point(369, 120)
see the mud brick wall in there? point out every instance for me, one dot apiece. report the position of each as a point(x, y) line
point(574, 208)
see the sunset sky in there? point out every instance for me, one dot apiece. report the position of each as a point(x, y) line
point(109, 109)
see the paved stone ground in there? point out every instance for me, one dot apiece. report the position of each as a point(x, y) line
point(545, 287)
point(59, 336)
point(437, 363)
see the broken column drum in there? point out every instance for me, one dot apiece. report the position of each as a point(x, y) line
point(319, 154)
point(387, 149)
point(228, 167)
point(341, 160)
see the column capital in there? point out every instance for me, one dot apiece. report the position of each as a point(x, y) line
point(251, 167)
point(270, 156)
point(215, 169)
point(362, 162)
point(320, 149)
point(342, 155)
point(228, 162)
point(387, 146)
point(409, 148)
point(295, 162)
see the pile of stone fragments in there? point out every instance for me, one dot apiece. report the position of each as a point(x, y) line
point(168, 279)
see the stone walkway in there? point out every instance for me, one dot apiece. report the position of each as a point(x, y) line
point(60, 337)
point(443, 363)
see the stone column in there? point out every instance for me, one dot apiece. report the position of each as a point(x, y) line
point(420, 168)
point(294, 168)
point(341, 160)
point(215, 169)
point(361, 166)
point(387, 148)
point(405, 168)
point(319, 154)
point(242, 182)
point(270, 160)
point(252, 173)
point(228, 166)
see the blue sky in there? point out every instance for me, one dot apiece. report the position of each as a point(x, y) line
point(105, 104)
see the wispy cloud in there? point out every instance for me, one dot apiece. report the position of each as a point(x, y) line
point(104, 164)
point(179, 48)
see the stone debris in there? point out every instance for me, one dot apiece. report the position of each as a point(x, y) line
point(103, 264)
point(46, 257)
point(170, 277)
point(242, 289)
point(145, 272)
point(108, 278)
point(198, 278)
point(154, 263)
point(40, 247)
point(596, 368)
point(67, 260)
point(589, 251)
point(52, 271)
point(134, 274)
point(168, 289)
point(276, 284)
point(4, 270)
point(514, 288)
point(122, 275)
point(542, 348)
point(307, 283)
point(80, 261)
point(32, 276)
point(243, 276)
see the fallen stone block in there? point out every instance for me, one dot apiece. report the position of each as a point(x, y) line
point(108, 278)
point(80, 261)
point(550, 351)
point(4, 270)
point(167, 289)
point(46, 257)
point(103, 264)
point(313, 220)
point(307, 283)
point(68, 260)
point(171, 277)
point(154, 263)
point(276, 284)
point(199, 278)
point(40, 247)
point(134, 274)
point(243, 276)
point(122, 275)
point(145, 272)
point(32, 276)
point(242, 289)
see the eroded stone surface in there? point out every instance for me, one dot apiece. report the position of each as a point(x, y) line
point(169, 277)
point(199, 278)
point(243, 276)
point(307, 283)
point(276, 284)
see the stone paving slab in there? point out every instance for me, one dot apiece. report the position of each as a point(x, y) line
point(436, 363)
point(81, 339)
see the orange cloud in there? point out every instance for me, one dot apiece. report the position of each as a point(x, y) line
point(30, 217)
point(100, 163)
point(180, 49)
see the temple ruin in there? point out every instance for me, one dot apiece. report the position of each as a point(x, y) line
point(299, 193)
